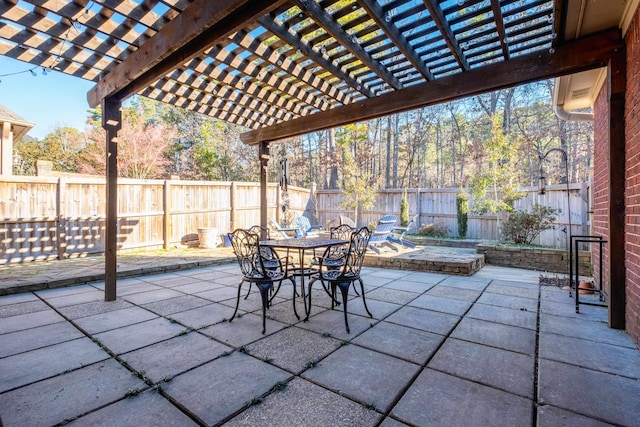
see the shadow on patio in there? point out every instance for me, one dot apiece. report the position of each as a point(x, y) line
point(491, 349)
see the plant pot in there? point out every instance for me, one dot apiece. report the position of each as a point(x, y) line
point(586, 287)
point(208, 237)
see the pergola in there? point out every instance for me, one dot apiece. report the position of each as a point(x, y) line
point(289, 67)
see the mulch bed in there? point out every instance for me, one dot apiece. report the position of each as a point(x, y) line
point(560, 282)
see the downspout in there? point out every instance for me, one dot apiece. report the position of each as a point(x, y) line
point(563, 114)
point(570, 116)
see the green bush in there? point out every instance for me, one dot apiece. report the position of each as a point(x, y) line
point(523, 227)
point(434, 230)
point(404, 210)
point(462, 204)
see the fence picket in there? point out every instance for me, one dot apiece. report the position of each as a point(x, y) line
point(46, 217)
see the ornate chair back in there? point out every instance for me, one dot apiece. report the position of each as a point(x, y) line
point(357, 248)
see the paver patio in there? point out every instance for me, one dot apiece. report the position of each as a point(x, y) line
point(491, 349)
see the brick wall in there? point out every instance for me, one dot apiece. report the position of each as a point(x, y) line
point(600, 218)
point(632, 180)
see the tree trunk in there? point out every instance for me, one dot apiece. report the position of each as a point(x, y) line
point(396, 148)
point(388, 165)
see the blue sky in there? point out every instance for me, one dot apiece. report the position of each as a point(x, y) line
point(49, 101)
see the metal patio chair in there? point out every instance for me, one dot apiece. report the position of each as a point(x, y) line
point(346, 273)
point(258, 267)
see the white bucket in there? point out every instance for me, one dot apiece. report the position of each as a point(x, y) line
point(208, 237)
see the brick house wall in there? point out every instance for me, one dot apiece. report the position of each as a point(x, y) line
point(632, 180)
point(599, 220)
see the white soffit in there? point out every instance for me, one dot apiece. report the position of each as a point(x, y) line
point(579, 91)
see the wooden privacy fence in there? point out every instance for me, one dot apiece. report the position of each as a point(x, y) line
point(44, 217)
point(438, 206)
point(48, 217)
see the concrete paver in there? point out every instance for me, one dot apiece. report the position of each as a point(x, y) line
point(225, 386)
point(293, 349)
point(504, 315)
point(318, 408)
point(366, 376)
point(575, 327)
point(402, 342)
point(550, 416)
point(138, 335)
point(598, 356)
point(166, 359)
point(102, 322)
point(509, 301)
point(506, 337)
point(440, 350)
point(481, 364)
point(427, 320)
point(34, 338)
point(64, 397)
point(29, 320)
point(439, 399)
point(444, 305)
point(144, 409)
point(610, 398)
point(25, 368)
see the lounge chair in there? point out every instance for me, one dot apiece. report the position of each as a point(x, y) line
point(380, 236)
point(285, 232)
point(308, 230)
point(403, 230)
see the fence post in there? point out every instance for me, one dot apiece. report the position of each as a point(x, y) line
point(418, 209)
point(61, 224)
point(233, 218)
point(166, 217)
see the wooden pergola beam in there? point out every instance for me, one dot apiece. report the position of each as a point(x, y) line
point(199, 26)
point(335, 30)
point(433, 6)
point(377, 14)
point(593, 51)
point(295, 40)
point(502, 34)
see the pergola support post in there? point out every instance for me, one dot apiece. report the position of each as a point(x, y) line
point(263, 153)
point(616, 82)
point(111, 122)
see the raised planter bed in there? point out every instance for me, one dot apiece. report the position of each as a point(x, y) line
point(539, 259)
point(449, 243)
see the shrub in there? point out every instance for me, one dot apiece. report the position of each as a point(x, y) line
point(523, 227)
point(404, 210)
point(462, 205)
point(434, 230)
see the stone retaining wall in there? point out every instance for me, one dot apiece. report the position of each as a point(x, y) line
point(465, 266)
point(540, 259)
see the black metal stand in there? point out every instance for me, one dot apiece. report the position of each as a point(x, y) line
point(574, 284)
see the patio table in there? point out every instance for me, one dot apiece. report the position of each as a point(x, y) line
point(302, 245)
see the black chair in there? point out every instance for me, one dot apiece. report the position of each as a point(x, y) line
point(333, 258)
point(342, 268)
point(342, 231)
point(258, 268)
